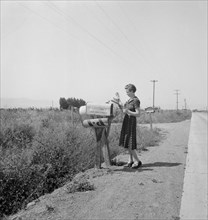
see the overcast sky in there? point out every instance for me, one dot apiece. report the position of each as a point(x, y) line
point(92, 49)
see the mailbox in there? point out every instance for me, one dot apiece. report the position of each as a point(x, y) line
point(150, 110)
point(105, 110)
point(96, 109)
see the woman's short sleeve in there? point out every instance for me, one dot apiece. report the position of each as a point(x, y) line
point(136, 103)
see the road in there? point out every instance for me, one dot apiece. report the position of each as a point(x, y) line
point(194, 197)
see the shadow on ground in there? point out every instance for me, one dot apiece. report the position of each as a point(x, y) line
point(161, 164)
point(147, 167)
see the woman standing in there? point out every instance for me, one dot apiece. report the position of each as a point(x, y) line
point(127, 139)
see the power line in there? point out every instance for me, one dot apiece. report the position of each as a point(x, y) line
point(121, 31)
point(99, 20)
point(70, 18)
point(70, 34)
point(49, 21)
point(143, 41)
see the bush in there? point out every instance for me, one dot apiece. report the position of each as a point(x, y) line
point(79, 186)
point(19, 135)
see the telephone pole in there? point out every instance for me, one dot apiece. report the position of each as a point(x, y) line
point(185, 104)
point(177, 93)
point(154, 81)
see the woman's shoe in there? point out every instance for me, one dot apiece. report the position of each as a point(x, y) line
point(129, 164)
point(137, 165)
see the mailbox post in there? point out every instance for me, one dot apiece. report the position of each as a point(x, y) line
point(150, 110)
point(101, 125)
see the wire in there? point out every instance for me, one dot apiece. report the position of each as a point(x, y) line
point(70, 34)
point(99, 20)
point(49, 21)
point(121, 31)
point(144, 43)
point(16, 29)
point(53, 7)
point(70, 18)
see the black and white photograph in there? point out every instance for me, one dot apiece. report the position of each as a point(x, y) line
point(103, 110)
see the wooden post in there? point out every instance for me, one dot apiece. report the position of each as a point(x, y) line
point(105, 149)
point(102, 143)
point(150, 114)
point(98, 134)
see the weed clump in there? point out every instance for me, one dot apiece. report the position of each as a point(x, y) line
point(79, 186)
point(80, 183)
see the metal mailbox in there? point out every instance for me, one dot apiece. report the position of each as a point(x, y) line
point(96, 109)
point(105, 110)
point(150, 110)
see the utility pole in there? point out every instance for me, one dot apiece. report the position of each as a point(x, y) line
point(154, 81)
point(177, 93)
point(185, 104)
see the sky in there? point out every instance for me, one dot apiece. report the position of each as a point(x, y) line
point(91, 49)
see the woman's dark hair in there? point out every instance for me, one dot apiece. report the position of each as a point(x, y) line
point(131, 87)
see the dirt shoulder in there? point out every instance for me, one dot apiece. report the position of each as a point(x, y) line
point(151, 192)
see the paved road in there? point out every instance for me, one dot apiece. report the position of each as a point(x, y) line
point(194, 199)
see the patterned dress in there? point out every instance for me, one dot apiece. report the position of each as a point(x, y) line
point(128, 130)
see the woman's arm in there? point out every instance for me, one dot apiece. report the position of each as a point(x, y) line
point(136, 113)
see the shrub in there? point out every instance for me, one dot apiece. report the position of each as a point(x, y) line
point(19, 135)
point(79, 186)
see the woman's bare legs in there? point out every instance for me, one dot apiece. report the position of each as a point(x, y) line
point(133, 154)
point(130, 155)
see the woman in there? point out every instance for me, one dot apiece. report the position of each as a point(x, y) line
point(127, 139)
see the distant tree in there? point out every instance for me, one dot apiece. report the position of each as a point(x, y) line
point(71, 102)
point(63, 103)
point(75, 102)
